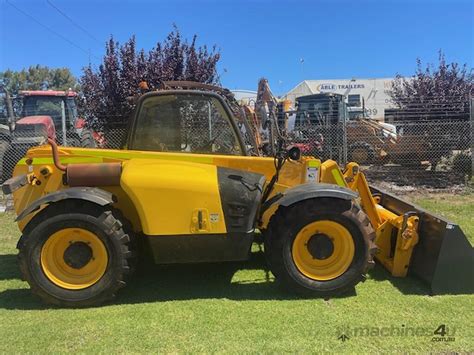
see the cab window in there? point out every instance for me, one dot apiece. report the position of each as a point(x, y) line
point(184, 123)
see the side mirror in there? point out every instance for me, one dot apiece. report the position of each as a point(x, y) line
point(294, 153)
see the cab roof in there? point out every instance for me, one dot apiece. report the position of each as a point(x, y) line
point(68, 93)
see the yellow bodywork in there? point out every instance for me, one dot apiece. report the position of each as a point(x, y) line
point(162, 193)
point(150, 181)
point(167, 194)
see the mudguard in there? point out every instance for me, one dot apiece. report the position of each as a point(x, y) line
point(91, 194)
point(311, 190)
point(300, 193)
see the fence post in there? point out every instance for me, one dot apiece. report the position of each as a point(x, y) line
point(344, 136)
point(471, 111)
point(63, 123)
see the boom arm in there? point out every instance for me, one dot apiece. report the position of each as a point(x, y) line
point(396, 234)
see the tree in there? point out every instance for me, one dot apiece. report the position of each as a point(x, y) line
point(107, 89)
point(38, 78)
point(434, 93)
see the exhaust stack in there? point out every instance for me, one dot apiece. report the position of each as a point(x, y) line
point(98, 174)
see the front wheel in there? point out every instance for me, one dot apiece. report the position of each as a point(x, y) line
point(75, 255)
point(320, 247)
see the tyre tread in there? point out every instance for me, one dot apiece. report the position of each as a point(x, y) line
point(110, 217)
point(279, 228)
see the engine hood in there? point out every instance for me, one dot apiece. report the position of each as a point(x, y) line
point(45, 121)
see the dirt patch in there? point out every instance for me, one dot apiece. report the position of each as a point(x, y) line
point(411, 192)
point(410, 178)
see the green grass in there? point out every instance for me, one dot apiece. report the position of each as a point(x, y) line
point(234, 308)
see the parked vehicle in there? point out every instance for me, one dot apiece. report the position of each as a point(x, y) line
point(42, 114)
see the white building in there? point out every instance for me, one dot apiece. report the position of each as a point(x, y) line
point(370, 93)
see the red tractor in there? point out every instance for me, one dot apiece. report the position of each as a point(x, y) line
point(44, 114)
point(48, 113)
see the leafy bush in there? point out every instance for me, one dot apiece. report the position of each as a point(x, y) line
point(117, 78)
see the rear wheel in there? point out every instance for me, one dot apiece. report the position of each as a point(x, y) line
point(75, 256)
point(87, 139)
point(320, 247)
point(462, 164)
point(13, 154)
point(362, 153)
point(3, 150)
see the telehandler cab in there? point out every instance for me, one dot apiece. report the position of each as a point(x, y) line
point(185, 189)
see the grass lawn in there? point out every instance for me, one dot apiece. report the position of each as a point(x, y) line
point(236, 307)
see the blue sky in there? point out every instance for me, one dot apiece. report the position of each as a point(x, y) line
point(336, 39)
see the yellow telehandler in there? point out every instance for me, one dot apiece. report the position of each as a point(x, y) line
point(185, 189)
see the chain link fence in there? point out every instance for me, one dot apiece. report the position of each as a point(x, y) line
point(426, 143)
point(435, 154)
point(416, 151)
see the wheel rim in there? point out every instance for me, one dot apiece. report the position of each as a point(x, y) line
point(74, 258)
point(360, 155)
point(323, 250)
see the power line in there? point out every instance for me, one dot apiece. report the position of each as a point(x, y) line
point(48, 28)
point(62, 13)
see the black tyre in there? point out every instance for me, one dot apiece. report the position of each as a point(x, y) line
point(3, 150)
point(462, 164)
point(87, 140)
point(433, 163)
point(74, 142)
point(14, 153)
point(75, 254)
point(361, 153)
point(3, 147)
point(320, 247)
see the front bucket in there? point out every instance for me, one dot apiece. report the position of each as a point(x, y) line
point(443, 257)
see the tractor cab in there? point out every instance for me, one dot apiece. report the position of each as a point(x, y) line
point(39, 115)
point(46, 114)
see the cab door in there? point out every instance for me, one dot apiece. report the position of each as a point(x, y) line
point(191, 210)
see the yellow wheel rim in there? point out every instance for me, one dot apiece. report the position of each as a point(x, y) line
point(74, 258)
point(360, 155)
point(323, 250)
